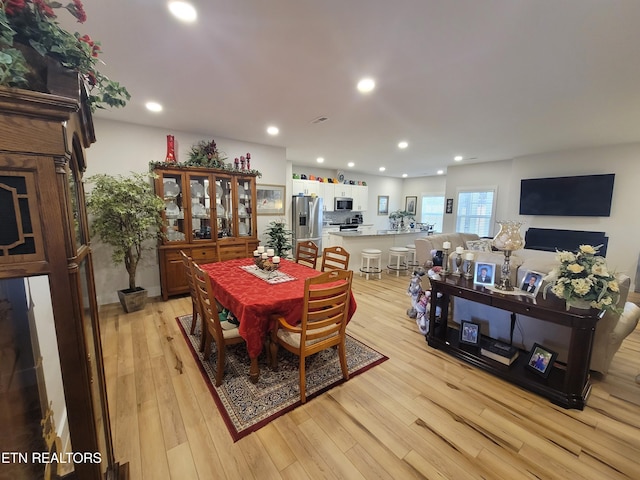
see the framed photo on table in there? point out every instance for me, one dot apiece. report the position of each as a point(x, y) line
point(531, 282)
point(484, 273)
point(270, 199)
point(469, 333)
point(410, 205)
point(541, 360)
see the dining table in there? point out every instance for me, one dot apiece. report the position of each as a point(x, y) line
point(252, 298)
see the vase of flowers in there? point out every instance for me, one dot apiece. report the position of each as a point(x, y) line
point(33, 45)
point(583, 280)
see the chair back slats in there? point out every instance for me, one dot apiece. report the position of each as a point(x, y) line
point(208, 305)
point(326, 305)
point(187, 263)
point(334, 258)
point(307, 254)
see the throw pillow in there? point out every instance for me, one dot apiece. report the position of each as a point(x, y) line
point(479, 245)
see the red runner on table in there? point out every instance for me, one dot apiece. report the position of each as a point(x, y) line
point(252, 300)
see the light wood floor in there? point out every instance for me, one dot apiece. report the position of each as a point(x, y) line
point(421, 414)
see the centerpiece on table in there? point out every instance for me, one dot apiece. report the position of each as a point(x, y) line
point(583, 280)
point(266, 259)
point(35, 50)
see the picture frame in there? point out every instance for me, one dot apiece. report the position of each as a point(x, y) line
point(270, 199)
point(541, 360)
point(484, 278)
point(411, 205)
point(383, 204)
point(449, 207)
point(469, 333)
point(532, 288)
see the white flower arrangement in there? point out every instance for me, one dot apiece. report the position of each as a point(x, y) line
point(584, 276)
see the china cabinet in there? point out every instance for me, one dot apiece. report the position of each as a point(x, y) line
point(209, 214)
point(53, 404)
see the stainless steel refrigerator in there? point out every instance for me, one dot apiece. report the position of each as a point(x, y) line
point(306, 220)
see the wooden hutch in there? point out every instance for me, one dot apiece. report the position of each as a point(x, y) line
point(54, 414)
point(209, 214)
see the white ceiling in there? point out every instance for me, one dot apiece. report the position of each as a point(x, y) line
point(486, 79)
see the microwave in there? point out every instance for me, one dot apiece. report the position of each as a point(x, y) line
point(343, 203)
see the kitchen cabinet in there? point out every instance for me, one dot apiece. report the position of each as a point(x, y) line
point(343, 190)
point(52, 373)
point(329, 191)
point(306, 187)
point(360, 198)
point(209, 214)
point(327, 195)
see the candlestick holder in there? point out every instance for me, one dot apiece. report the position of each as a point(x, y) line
point(445, 262)
point(468, 269)
point(458, 262)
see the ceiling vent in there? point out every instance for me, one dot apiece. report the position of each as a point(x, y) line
point(320, 119)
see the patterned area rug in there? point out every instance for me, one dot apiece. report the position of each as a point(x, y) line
point(247, 407)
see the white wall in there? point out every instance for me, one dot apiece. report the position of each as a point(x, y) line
point(421, 186)
point(621, 227)
point(122, 148)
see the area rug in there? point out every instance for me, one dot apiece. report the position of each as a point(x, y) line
point(247, 407)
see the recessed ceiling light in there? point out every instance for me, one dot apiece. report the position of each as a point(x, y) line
point(320, 160)
point(183, 11)
point(457, 158)
point(153, 106)
point(440, 172)
point(350, 164)
point(404, 175)
point(403, 144)
point(272, 130)
point(366, 85)
point(382, 169)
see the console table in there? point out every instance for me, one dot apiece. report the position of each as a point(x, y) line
point(567, 385)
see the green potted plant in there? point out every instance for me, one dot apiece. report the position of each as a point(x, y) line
point(126, 214)
point(279, 237)
point(34, 48)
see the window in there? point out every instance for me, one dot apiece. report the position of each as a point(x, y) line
point(432, 212)
point(475, 211)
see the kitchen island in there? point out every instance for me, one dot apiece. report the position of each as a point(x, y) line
point(355, 242)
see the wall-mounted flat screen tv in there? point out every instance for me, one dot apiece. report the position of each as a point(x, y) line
point(578, 196)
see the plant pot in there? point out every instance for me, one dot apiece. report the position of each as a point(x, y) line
point(579, 304)
point(133, 300)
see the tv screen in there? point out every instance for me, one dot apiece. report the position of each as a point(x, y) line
point(579, 196)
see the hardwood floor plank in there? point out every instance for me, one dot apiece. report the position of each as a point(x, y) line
point(276, 446)
point(258, 461)
point(181, 464)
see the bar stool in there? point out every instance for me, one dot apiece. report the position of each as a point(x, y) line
point(412, 261)
point(398, 260)
point(371, 255)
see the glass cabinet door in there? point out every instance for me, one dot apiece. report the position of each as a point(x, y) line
point(173, 207)
point(246, 209)
point(224, 207)
point(200, 206)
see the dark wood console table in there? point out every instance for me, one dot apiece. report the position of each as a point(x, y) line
point(567, 386)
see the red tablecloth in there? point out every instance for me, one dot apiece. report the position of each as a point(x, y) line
point(252, 299)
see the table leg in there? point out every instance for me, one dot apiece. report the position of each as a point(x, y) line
point(254, 370)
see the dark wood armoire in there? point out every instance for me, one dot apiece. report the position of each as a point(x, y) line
point(54, 415)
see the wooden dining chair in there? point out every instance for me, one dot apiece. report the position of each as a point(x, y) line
point(323, 323)
point(186, 262)
point(222, 333)
point(307, 253)
point(334, 258)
